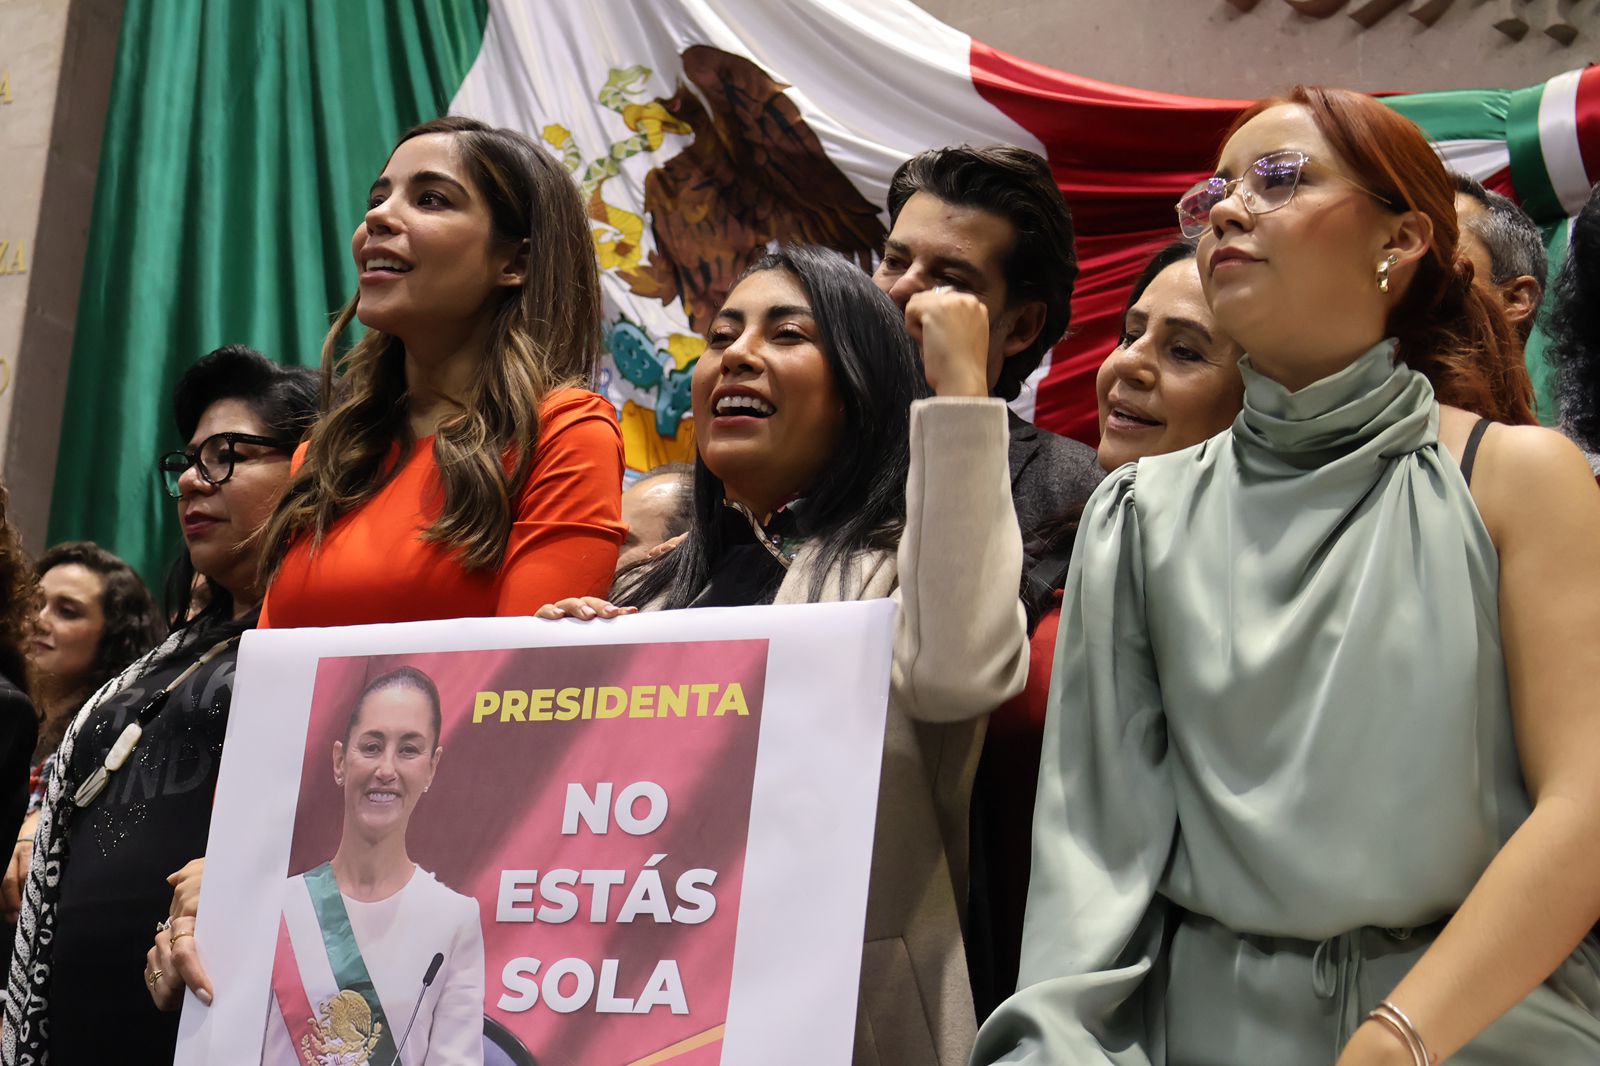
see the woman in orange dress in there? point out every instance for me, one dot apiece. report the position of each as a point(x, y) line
point(463, 469)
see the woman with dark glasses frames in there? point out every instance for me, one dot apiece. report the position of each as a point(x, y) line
point(113, 830)
point(196, 476)
point(1321, 780)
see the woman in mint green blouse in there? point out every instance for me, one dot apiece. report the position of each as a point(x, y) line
point(1321, 775)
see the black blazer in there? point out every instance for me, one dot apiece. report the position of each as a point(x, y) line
point(1052, 477)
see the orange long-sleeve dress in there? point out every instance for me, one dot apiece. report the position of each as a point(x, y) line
point(373, 565)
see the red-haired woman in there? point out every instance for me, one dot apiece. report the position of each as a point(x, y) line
point(1321, 777)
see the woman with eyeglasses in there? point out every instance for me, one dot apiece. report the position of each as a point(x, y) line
point(1321, 779)
point(130, 802)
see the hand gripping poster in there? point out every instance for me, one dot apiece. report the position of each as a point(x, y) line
point(510, 842)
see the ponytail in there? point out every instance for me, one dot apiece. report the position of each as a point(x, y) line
point(1452, 331)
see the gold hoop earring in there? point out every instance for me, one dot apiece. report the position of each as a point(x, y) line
point(1383, 271)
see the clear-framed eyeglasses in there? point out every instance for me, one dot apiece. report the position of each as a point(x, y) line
point(214, 460)
point(1266, 185)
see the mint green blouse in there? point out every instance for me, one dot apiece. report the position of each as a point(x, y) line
point(1279, 751)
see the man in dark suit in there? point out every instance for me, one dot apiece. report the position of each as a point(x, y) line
point(991, 222)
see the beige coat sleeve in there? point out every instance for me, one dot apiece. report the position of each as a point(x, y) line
point(961, 642)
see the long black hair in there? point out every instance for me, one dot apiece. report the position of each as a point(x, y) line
point(1176, 252)
point(1574, 327)
point(859, 502)
point(284, 398)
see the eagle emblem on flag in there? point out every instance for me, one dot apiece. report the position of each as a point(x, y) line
point(752, 175)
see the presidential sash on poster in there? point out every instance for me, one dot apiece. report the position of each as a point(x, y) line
point(644, 841)
point(348, 1028)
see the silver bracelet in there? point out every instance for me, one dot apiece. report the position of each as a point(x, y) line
point(1394, 1019)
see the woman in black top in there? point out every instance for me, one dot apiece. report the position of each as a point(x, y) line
point(93, 616)
point(19, 725)
point(107, 844)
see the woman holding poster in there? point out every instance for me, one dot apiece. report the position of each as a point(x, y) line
point(479, 294)
point(89, 908)
point(377, 962)
point(826, 472)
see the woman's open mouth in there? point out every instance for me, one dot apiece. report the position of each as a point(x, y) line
point(1125, 420)
point(383, 268)
point(742, 406)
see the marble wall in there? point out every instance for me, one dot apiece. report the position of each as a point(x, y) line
point(56, 62)
point(1250, 48)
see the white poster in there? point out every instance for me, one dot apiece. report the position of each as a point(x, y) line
point(514, 842)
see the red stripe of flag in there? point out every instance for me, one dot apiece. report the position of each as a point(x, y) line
point(1500, 182)
point(1587, 106)
point(1122, 158)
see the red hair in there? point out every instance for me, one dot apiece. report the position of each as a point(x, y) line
point(1449, 328)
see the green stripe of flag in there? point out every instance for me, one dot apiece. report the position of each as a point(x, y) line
point(1458, 115)
point(1529, 172)
point(241, 138)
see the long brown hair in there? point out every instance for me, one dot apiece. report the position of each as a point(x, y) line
point(17, 592)
point(133, 626)
point(544, 336)
point(1449, 329)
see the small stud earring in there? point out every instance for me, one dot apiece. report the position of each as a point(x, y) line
point(1383, 271)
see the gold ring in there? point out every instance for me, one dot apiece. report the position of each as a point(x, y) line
point(153, 976)
point(177, 935)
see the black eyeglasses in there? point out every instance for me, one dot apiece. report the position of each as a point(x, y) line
point(214, 459)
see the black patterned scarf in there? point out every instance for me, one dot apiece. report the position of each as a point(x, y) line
point(26, 1040)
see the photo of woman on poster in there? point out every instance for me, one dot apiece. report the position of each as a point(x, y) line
point(377, 962)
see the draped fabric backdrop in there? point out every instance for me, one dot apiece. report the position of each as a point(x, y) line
point(243, 135)
point(240, 142)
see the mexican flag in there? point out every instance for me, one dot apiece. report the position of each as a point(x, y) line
point(243, 135)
